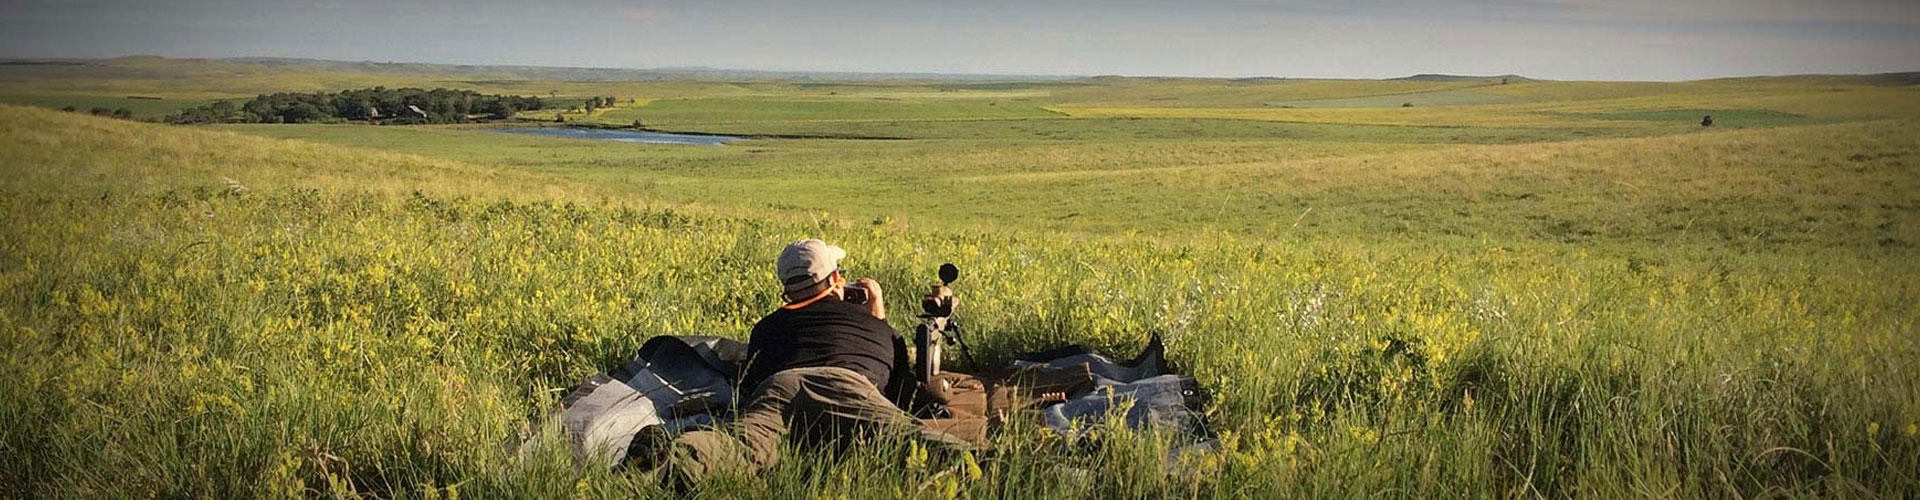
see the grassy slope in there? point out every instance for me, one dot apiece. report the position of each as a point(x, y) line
point(145, 160)
point(142, 108)
point(1711, 187)
point(327, 332)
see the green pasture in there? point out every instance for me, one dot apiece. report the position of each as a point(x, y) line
point(479, 146)
point(1721, 117)
point(690, 112)
point(1569, 289)
point(1709, 187)
point(1163, 129)
point(1243, 93)
point(1434, 98)
point(1572, 171)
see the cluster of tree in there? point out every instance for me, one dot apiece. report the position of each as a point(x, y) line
point(594, 103)
point(121, 113)
point(403, 106)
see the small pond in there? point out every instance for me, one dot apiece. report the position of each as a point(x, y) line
point(620, 135)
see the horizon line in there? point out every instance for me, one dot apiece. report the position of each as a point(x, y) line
point(921, 73)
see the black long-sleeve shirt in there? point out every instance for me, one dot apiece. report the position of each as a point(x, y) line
point(828, 332)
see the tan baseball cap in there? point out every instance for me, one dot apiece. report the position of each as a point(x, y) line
point(806, 262)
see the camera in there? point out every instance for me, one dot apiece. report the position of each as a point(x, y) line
point(857, 294)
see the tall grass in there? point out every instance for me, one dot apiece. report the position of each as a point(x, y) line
point(327, 331)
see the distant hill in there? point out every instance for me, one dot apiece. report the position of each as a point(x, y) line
point(583, 74)
point(1902, 79)
point(1433, 77)
point(1894, 79)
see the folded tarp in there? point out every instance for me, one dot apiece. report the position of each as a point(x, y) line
point(1146, 388)
point(675, 381)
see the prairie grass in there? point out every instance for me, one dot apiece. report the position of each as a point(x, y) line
point(374, 312)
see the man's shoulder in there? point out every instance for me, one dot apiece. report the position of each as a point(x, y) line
point(826, 304)
point(839, 306)
point(776, 319)
point(853, 312)
point(859, 311)
point(784, 316)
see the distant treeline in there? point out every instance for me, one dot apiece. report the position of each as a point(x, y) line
point(121, 113)
point(594, 103)
point(403, 106)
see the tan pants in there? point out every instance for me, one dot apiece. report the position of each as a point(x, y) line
point(809, 406)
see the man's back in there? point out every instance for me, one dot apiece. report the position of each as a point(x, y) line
point(828, 332)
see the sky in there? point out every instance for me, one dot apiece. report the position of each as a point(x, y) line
point(1554, 39)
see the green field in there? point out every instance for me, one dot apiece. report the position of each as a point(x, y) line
point(1742, 117)
point(143, 107)
point(684, 112)
point(1433, 98)
point(1571, 291)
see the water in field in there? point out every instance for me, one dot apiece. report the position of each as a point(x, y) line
point(621, 135)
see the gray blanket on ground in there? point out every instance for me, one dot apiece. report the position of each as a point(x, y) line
point(675, 381)
point(682, 381)
point(1145, 389)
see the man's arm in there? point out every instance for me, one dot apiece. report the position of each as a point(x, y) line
point(876, 301)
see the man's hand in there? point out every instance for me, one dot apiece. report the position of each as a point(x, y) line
point(876, 301)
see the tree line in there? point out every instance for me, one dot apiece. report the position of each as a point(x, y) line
point(121, 113)
point(402, 106)
point(594, 103)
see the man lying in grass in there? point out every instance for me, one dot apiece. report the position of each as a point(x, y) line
point(816, 366)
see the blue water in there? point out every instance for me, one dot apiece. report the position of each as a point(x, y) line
point(620, 135)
